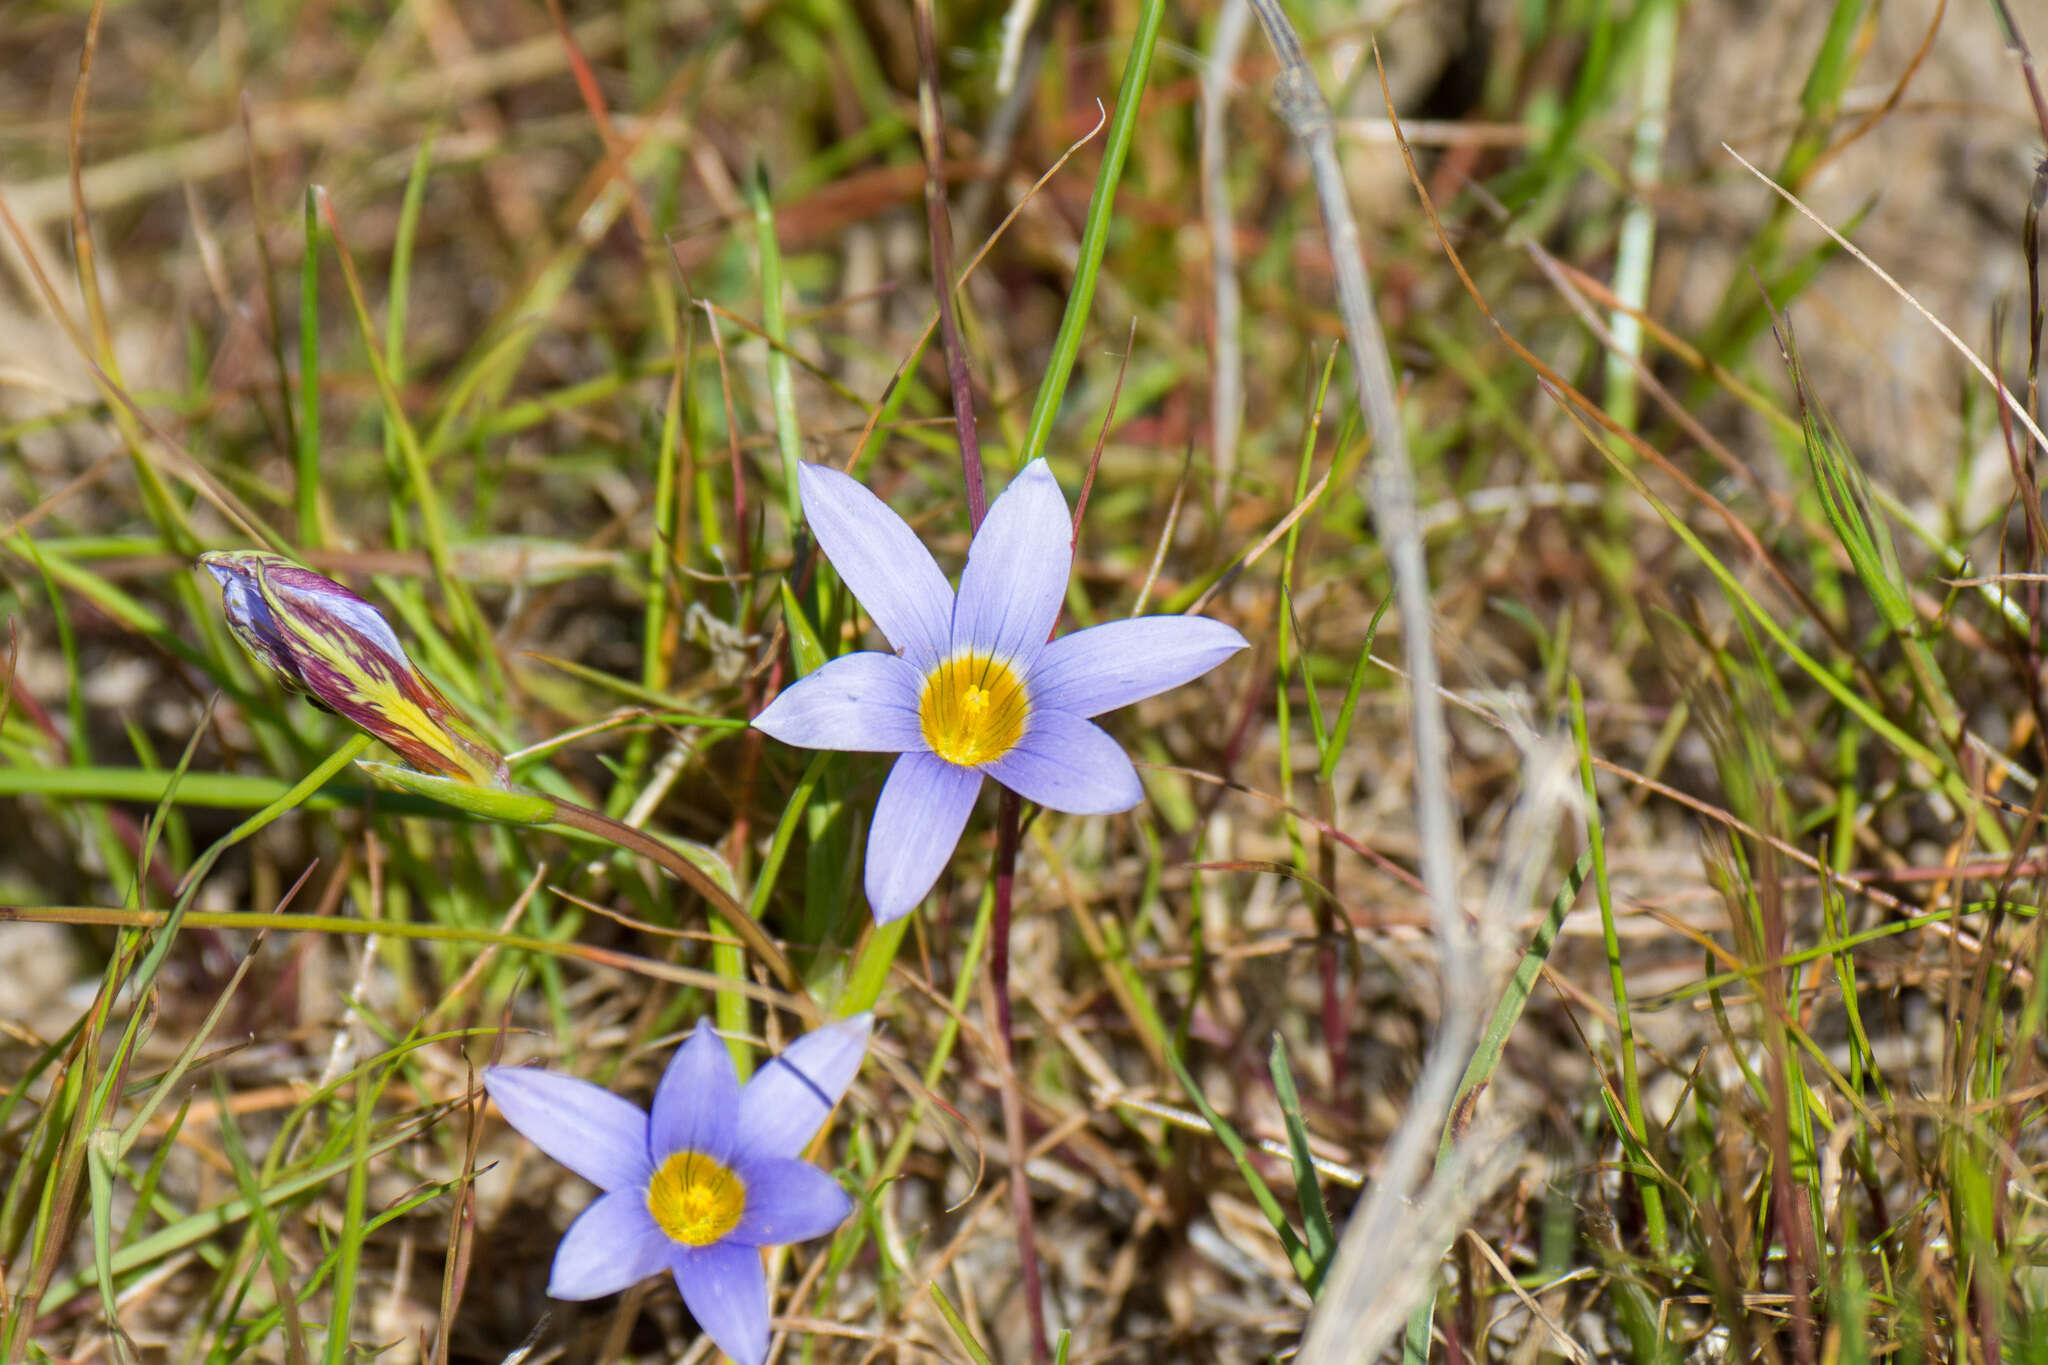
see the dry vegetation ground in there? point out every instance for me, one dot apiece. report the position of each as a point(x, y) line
point(1768, 1083)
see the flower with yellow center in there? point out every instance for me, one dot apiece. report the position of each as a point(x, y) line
point(700, 1183)
point(975, 688)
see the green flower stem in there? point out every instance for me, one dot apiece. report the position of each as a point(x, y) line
point(530, 808)
point(620, 835)
point(871, 964)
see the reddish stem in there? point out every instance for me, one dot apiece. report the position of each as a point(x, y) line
point(932, 126)
point(1008, 823)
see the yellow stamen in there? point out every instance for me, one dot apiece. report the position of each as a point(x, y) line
point(972, 709)
point(695, 1199)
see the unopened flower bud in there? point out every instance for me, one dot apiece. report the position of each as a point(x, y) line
point(319, 638)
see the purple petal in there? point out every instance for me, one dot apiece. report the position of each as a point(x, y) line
point(248, 616)
point(727, 1294)
point(1017, 568)
point(787, 1101)
point(918, 820)
point(694, 1104)
point(585, 1127)
point(881, 560)
point(789, 1201)
point(865, 701)
point(1119, 662)
point(611, 1246)
point(1070, 764)
point(316, 597)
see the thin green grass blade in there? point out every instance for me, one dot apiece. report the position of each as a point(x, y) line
point(261, 1223)
point(956, 1324)
point(218, 1218)
point(1298, 1256)
point(804, 644)
point(397, 310)
point(152, 1175)
point(1637, 1129)
point(99, 1165)
point(781, 387)
point(1123, 124)
point(1317, 1231)
point(1340, 728)
point(308, 463)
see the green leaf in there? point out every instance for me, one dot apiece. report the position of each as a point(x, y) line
point(514, 808)
point(804, 644)
point(1305, 1268)
point(1315, 1215)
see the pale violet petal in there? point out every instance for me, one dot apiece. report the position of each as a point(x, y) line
point(881, 560)
point(727, 1293)
point(694, 1105)
point(613, 1245)
point(788, 1099)
point(585, 1127)
point(1119, 662)
point(865, 702)
point(1017, 570)
point(923, 808)
point(249, 616)
point(317, 597)
point(789, 1201)
point(1070, 764)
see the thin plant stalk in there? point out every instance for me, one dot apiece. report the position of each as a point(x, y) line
point(1226, 373)
point(1008, 821)
point(931, 126)
point(931, 122)
point(728, 909)
point(1375, 1234)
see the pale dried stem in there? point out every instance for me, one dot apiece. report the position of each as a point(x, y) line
point(1387, 1227)
point(1226, 372)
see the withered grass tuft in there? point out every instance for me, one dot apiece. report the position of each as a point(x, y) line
point(517, 319)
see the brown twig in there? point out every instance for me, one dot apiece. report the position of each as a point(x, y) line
point(931, 126)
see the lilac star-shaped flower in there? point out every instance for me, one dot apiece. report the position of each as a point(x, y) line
point(975, 688)
point(700, 1184)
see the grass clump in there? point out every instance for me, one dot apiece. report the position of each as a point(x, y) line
point(1704, 1024)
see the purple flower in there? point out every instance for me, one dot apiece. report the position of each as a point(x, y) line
point(700, 1185)
point(974, 687)
point(319, 638)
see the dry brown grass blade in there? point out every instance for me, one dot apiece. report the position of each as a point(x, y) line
point(81, 226)
point(1226, 371)
point(177, 458)
point(294, 125)
point(616, 150)
point(931, 126)
point(2006, 396)
point(931, 323)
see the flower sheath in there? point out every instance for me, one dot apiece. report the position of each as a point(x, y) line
point(975, 688)
point(696, 1186)
point(319, 638)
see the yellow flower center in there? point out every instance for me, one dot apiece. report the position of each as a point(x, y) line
point(694, 1199)
point(972, 709)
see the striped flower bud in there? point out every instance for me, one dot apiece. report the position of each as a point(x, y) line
point(323, 640)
